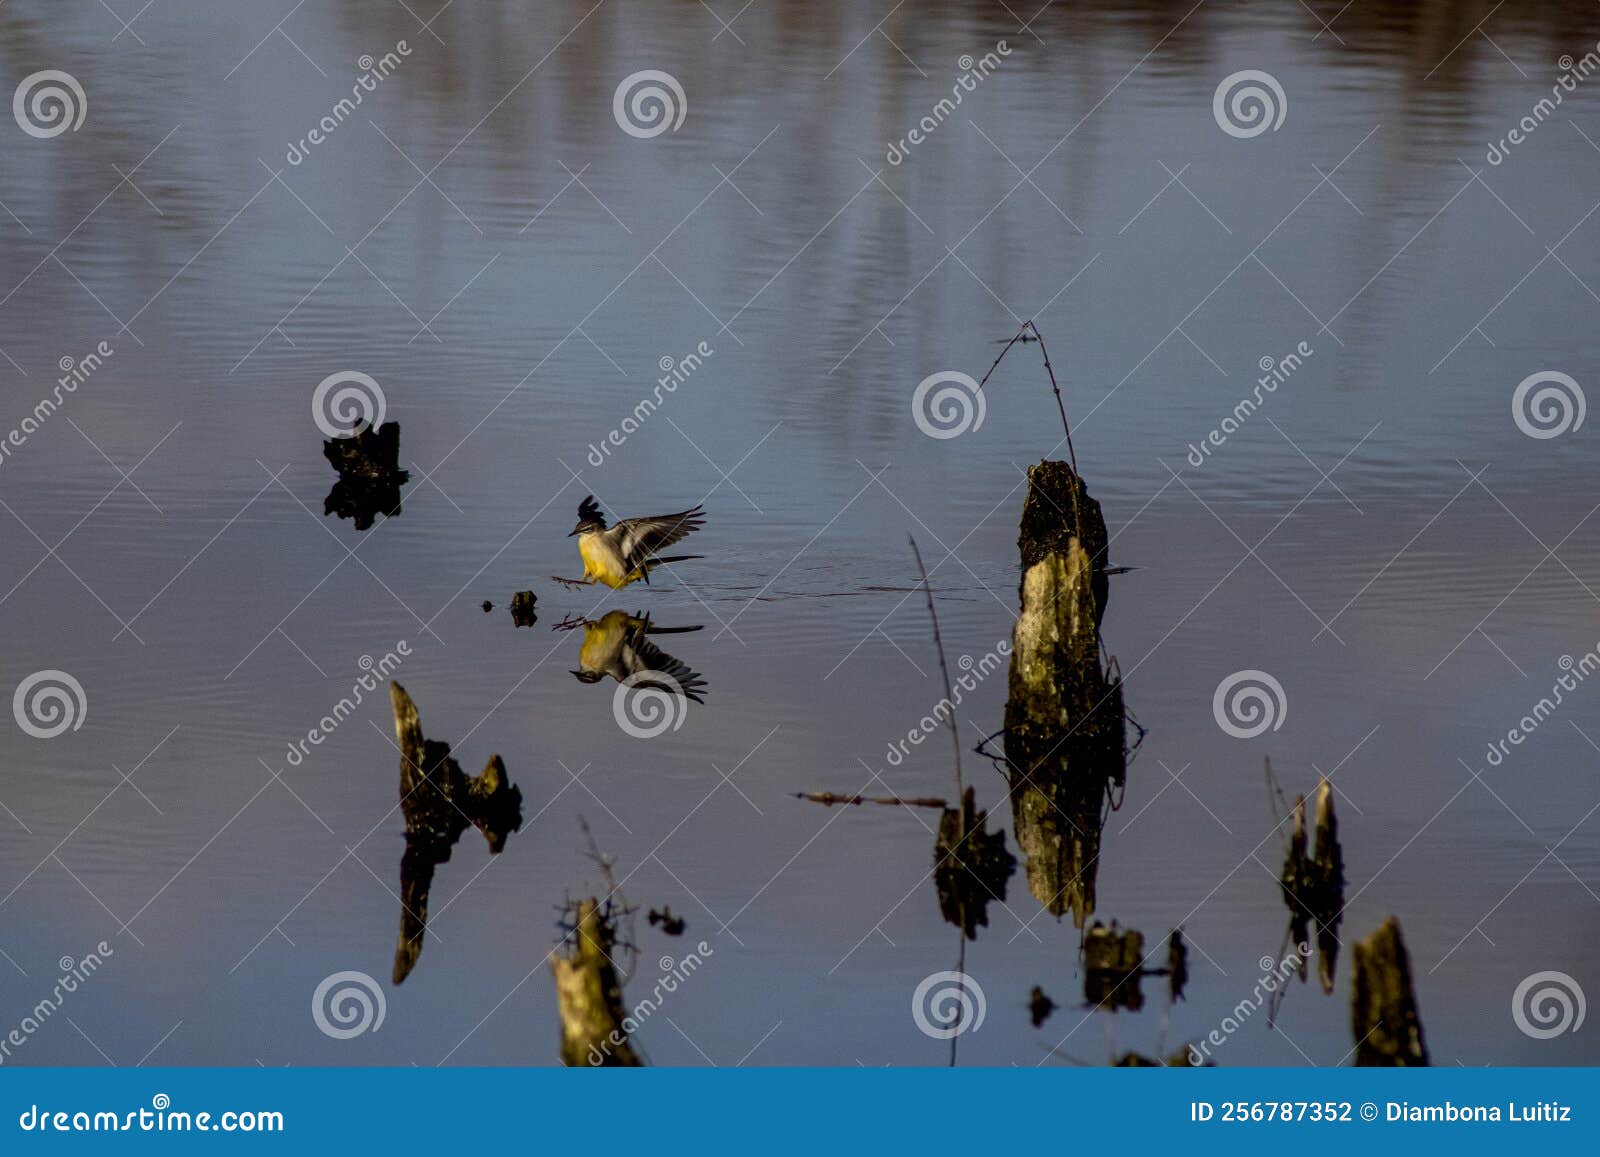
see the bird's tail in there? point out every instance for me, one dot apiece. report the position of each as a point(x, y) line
point(655, 562)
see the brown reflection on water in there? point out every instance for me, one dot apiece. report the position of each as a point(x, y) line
point(440, 802)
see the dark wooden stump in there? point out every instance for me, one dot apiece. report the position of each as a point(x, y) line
point(589, 996)
point(1384, 1018)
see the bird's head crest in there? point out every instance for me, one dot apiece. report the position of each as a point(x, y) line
point(590, 516)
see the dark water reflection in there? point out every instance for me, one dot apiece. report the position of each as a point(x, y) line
point(1377, 536)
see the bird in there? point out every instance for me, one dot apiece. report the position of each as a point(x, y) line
point(617, 644)
point(627, 552)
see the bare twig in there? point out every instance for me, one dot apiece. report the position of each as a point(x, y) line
point(949, 695)
point(615, 906)
point(1022, 336)
point(828, 799)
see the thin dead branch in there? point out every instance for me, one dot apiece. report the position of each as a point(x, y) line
point(1022, 336)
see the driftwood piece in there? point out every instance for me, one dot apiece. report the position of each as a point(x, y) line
point(970, 866)
point(589, 996)
point(439, 801)
point(1384, 1018)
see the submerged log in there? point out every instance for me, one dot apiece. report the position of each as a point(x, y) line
point(589, 996)
point(439, 801)
point(1388, 1030)
point(970, 866)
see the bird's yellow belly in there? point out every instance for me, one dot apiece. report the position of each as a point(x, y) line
point(601, 564)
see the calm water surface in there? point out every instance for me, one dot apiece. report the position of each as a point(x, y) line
point(1380, 536)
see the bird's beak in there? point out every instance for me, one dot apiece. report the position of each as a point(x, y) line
point(572, 532)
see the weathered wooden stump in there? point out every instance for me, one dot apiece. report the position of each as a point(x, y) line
point(589, 996)
point(1065, 729)
point(1059, 508)
point(1388, 1030)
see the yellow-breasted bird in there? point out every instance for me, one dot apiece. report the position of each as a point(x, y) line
point(627, 552)
point(617, 645)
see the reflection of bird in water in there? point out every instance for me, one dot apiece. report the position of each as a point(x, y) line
point(624, 553)
point(617, 645)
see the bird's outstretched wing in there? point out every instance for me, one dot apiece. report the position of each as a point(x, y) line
point(640, 538)
point(642, 655)
point(589, 511)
